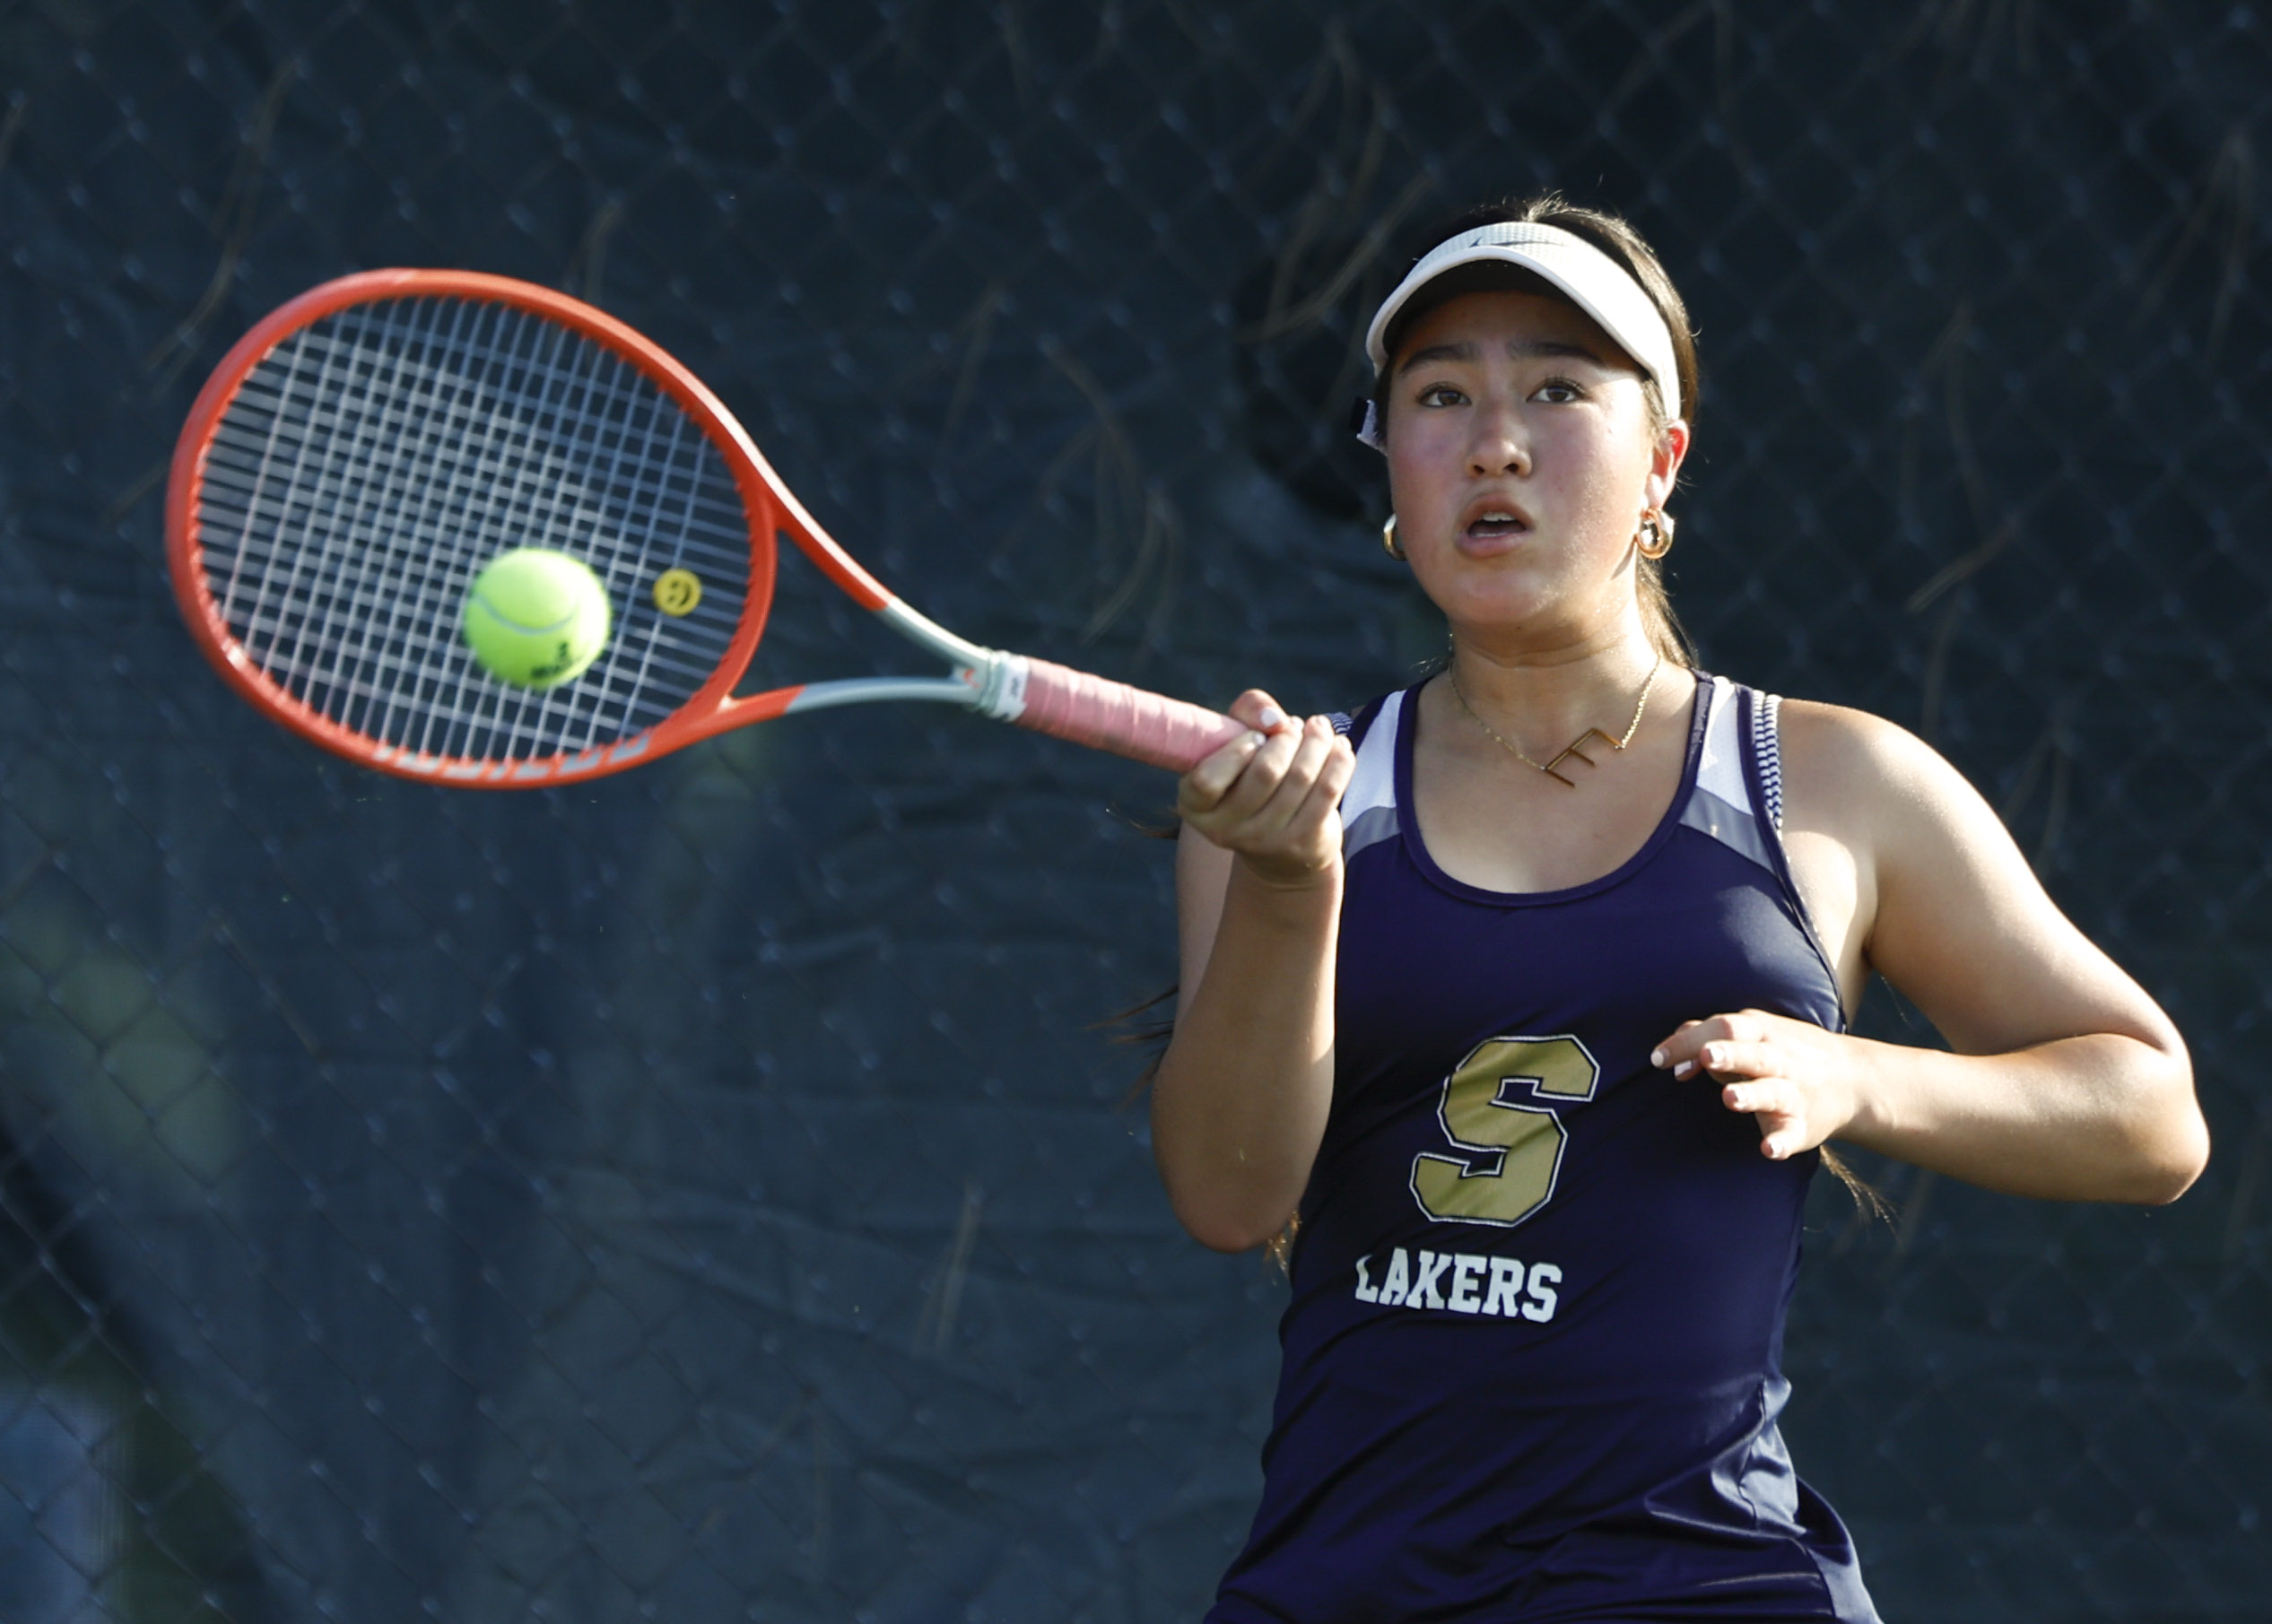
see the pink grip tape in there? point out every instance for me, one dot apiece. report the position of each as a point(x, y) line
point(1104, 714)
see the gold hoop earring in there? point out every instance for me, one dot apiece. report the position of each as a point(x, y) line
point(1389, 540)
point(1655, 537)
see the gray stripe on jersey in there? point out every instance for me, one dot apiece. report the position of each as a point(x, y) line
point(1368, 805)
point(1733, 827)
point(1368, 828)
point(1720, 805)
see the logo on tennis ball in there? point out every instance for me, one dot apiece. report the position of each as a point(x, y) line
point(535, 617)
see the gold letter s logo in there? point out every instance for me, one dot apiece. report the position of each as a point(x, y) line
point(1515, 1149)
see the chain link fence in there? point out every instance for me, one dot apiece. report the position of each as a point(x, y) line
point(706, 1193)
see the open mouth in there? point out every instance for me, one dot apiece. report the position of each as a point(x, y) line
point(1494, 522)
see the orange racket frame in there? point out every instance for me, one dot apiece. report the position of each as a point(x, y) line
point(1034, 693)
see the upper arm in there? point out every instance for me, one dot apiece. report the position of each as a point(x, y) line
point(1957, 920)
point(1202, 876)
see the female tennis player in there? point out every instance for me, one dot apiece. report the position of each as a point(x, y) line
point(1523, 994)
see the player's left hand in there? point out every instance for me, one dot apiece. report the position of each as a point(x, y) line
point(1795, 1079)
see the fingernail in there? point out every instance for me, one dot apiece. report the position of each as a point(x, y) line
point(1254, 740)
point(1683, 1068)
point(1711, 1056)
point(1271, 717)
point(1657, 1057)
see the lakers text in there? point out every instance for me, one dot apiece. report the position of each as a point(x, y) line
point(1463, 1282)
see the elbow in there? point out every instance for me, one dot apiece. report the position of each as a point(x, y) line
point(1231, 1192)
point(1224, 1212)
point(1229, 1239)
point(1223, 1227)
point(2171, 1136)
point(2178, 1161)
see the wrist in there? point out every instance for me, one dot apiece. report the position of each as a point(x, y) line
point(1861, 1095)
point(1290, 881)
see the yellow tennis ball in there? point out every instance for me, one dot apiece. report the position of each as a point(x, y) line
point(535, 617)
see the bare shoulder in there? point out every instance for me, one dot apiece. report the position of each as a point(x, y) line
point(1911, 824)
point(1841, 764)
point(1931, 854)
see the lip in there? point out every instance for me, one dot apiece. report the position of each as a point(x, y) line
point(1491, 502)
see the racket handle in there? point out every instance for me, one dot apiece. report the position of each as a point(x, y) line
point(1105, 714)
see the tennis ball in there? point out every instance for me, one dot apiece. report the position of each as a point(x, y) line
point(535, 617)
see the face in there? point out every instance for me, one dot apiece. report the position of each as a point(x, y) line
point(1521, 457)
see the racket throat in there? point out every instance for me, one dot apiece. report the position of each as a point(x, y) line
point(996, 680)
point(997, 684)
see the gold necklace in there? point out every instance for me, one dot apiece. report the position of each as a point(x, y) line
point(1569, 749)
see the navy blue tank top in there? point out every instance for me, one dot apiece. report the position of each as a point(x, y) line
point(1532, 1362)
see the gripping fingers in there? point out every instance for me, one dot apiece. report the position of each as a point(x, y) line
point(1202, 788)
point(1258, 794)
point(1324, 800)
point(1259, 711)
point(1301, 820)
point(1266, 817)
point(1279, 810)
point(1312, 748)
point(1259, 777)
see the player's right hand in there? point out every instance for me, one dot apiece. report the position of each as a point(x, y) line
point(1273, 795)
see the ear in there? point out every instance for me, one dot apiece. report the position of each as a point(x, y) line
point(1664, 465)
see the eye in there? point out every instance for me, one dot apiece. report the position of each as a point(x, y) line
point(1439, 395)
point(1559, 392)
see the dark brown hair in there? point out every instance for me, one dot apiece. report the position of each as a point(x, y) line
point(1615, 237)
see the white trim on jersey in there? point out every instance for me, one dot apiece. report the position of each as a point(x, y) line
point(1721, 803)
point(1368, 805)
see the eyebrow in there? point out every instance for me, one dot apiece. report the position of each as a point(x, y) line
point(1464, 350)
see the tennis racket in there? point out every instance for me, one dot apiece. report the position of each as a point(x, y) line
point(365, 449)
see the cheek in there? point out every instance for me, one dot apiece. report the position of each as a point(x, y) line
point(1603, 473)
point(1606, 491)
point(1417, 482)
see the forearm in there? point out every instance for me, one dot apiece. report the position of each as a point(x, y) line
point(2098, 1118)
point(1239, 1103)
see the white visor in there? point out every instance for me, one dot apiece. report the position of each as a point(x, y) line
point(1595, 282)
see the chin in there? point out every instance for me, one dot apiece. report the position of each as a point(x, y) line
point(1512, 610)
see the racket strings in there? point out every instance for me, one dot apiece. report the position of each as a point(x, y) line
point(370, 464)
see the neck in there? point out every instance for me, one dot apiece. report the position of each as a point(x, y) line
point(1542, 697)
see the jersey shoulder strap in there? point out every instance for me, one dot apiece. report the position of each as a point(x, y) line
point(1352, 725)
point(1726, 802)
point(1738, 798)
point(1368, 805)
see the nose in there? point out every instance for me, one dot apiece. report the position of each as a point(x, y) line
point(1498, 444)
